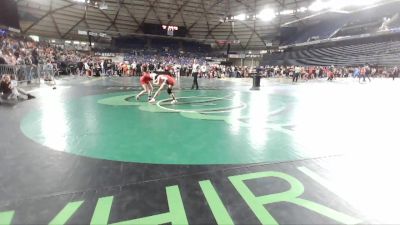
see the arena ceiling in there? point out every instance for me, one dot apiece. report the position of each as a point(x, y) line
point(202, 18)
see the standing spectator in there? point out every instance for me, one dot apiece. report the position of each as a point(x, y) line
point(35, 63)
point(395, 72)
point(363, 74)
point(103, 66)
point(48, 71)
point(330, 75)
point(297, 71)
point(2, 60)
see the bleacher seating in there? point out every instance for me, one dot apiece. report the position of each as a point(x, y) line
point(324, 29)
point(160, 45)
point(341, 54)
point(331, 25)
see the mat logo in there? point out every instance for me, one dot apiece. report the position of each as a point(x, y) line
point(188, 104)
point(177, 214)
point(216, 107)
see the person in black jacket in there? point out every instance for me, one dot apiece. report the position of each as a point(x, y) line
point(2, 61)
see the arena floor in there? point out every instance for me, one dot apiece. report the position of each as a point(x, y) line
point(316, 152)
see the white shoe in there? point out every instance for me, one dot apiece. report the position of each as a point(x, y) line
point(174, 102)
point(137, 97)
point(152, 100)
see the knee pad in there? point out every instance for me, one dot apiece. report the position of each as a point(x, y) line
point(169, 90)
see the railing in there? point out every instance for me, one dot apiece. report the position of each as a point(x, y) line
point(7, 69)
point(27, 73)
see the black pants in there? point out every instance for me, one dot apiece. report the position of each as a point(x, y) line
point(195, 81)
point(363, 76)
point(295, 77)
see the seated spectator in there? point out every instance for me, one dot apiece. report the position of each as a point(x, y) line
point(9, 93)
point(2, 60)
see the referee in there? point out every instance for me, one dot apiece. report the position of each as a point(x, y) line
point(195, 74)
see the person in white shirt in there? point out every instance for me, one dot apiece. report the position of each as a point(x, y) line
point(297, 71)
point(195, 74)
point(203, 70)
point(103, 71)
point(48, 69)
point(87, 68)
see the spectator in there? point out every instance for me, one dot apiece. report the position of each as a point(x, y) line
point(9, 91)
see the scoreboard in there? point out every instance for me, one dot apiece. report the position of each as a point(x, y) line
point(170, 29)
point(164, 30)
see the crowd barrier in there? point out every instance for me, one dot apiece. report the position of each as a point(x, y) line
point(28, 73)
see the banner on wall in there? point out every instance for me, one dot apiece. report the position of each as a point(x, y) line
point(105, 54)
point(253, 55)
point(93, 34)
point(236, 56)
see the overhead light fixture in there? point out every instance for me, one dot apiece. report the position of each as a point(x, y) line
point(80, 1)
point(34, 37)
point(240, 17)
point(103, 6)
point(302, 9)
point(286, 12)
point(266, 14)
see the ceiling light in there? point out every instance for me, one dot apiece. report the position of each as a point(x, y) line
point(240, 17)
point(34, 37)
point(266, 14)
point(286, 12)
point(302, 9)
point(103, 6)
point(318, 6)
